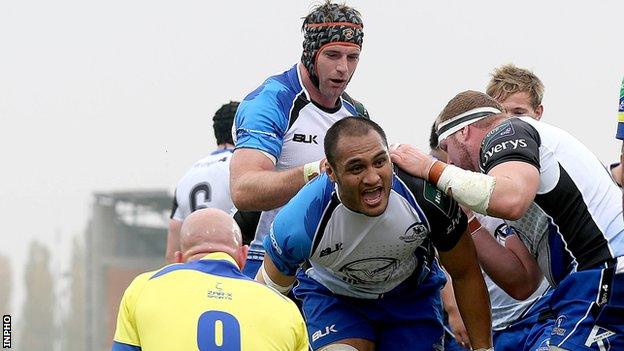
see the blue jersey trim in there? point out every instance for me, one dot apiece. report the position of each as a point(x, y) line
point(290, 239)
point(216, 267)
point(261, 119)
point(561, 262)
point(620, 131)
point(120, 346)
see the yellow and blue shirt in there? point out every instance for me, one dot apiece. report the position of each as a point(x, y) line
point(206, 305)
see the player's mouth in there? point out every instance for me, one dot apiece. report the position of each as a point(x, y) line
point(372, 197)
point(337, 82)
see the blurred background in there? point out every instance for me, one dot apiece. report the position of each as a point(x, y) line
point(105, 104)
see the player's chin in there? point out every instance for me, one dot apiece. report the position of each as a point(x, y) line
point(374, 209)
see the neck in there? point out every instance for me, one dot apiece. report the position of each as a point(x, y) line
point(314, 92)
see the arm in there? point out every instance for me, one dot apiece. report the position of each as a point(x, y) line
point(470, 291)
point(515, 189)
point(269, 275)
point(256, 185)
point(511, 267)
point(173, 240)
point(454, 317)
point(505, 192)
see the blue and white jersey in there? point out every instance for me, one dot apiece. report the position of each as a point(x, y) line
point(205, 185)
point(362, 256)
point(505, 309)
point(280, 120)
point(575, 221)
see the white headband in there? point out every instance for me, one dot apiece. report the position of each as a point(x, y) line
point(448, 127)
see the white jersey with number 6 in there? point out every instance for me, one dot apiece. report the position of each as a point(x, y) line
point(205, 185)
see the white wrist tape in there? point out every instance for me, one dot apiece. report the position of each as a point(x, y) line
point(268, 282)
point(470, 189)
point(311, 170)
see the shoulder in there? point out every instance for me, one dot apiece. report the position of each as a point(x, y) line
point(432, 200)
point(308, 203)
point(136, 287)
point(354, 106)
point(277, 89)
point(515, 139)
point(512, 128)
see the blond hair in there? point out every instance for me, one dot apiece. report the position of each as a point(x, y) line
point(509, 79)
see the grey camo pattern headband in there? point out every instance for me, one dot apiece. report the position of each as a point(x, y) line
point(331, 23)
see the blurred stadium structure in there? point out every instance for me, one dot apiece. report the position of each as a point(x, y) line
point(126, 236)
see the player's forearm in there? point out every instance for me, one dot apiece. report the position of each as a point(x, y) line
point(448, 296)
point(474, 305)
point(503, 266)
point(266, 190)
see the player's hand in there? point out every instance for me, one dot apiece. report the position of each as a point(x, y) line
point(411, 160)
point(459, 329)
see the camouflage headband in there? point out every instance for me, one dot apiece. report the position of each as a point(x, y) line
point(336, 24)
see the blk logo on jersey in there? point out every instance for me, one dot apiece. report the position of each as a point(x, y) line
point(321, 333)
point(306, 139)
point(329, 250)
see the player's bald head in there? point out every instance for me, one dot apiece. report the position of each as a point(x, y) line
point(209, 230)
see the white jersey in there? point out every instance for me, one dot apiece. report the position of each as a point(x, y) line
point(280, 120)
point(575, 221)
point(362, 256)
point(505, 309)
point(205, 185)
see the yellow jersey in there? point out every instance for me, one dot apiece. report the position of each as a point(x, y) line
point(206, 305)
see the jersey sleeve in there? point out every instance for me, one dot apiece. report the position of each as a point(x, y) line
point(512, 140)
point(289, 241)
point(126, 333)
point(620, 127)
point(447, 222)
point(174, 206)
point(355, 107)
point(261, 120)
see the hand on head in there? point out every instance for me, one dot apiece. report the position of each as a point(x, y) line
point(411, 160)
point(210, 230)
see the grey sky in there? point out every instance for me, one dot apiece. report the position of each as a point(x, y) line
point(113, 95)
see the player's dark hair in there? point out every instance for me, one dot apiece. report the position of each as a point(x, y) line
point(222, 122)
point(349, 126)
point(433, 138)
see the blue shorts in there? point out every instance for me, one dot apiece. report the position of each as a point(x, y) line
point(253, 263)
point(531, 332)
point(407, 318)
point(589, 309)
point(450, 344)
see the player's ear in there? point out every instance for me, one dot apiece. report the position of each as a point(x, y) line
point(539, 110)
point(241, 256)
point(463, 134)
point(330, 172)
point(179, 257)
